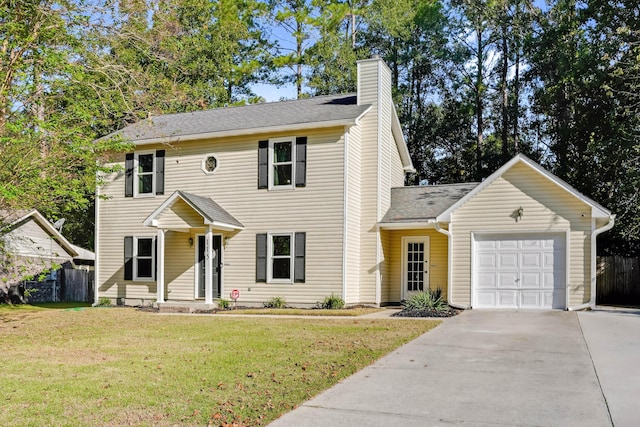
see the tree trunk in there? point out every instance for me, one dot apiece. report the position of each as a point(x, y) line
point(479, 104)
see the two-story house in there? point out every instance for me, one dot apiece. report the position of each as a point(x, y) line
point(303, 199)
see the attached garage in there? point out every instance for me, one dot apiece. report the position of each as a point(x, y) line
point(520, 271)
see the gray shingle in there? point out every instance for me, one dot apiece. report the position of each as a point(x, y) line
point(424, 203)
point(210, 209)
point(255, 116)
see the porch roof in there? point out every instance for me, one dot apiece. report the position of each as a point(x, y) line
point(423, 204)
point(211, 212)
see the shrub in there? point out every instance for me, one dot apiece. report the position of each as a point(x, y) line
point(104, 302)
point(426, 300)
point(224, 304)
point(275, 302)
point(332, 302)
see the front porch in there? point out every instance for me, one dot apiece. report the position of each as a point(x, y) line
point(191, 235)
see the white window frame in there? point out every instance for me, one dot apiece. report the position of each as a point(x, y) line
point(271, 257)
point(203, 165)
point(136, 175)
point(272, 163)
point(135, 259)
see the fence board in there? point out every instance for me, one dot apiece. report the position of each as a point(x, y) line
point(77, 285)
point(618, 280)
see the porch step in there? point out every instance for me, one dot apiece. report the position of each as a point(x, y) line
point(184, 307)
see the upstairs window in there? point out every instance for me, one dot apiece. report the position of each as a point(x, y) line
point(144, 174)
point(282, 163)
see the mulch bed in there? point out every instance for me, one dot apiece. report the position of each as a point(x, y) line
point(450, 312)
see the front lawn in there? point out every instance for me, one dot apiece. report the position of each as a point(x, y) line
point(117, 366)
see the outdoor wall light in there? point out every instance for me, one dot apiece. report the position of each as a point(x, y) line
point(520, 212)
point(190, 242)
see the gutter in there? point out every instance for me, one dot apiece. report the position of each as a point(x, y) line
point(592, 300)
point(449, 267)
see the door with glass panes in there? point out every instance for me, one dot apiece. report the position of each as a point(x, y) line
point(415, 265)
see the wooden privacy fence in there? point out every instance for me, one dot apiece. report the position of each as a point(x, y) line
point(77, 285)
point(618, 280)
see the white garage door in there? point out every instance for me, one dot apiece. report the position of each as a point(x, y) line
point(519, 271)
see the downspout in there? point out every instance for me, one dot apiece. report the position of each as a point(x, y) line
point(449, 267)
point(592, 300)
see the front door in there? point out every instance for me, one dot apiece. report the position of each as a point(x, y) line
point(217, 245)
point(415, 255)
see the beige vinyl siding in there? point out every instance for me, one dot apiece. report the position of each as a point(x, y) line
point(316, 209)
point(547, 208)
point(368, 78)
point(438, 264)
point(353, 212)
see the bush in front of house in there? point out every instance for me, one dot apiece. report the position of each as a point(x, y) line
point(426, 300)
point(332, 302)
point(224, 304)
point(275, 302)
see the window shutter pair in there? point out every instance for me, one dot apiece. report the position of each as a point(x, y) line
point(298, 259)
point(301, 163)
point(159, 171)
point(128, 257)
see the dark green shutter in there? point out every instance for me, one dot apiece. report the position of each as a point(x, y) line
point(128, 175)
point(261, 257)
point(298, 266)
point(128, 258)
point(160, 172)
point(263, 164)
point(301, 161)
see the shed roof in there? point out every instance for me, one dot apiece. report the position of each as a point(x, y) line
point(319, 111)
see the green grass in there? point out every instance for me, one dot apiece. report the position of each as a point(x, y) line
point(303, 311)
point(116, 366)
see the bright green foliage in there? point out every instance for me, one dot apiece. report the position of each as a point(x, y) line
point(426, 300)
point(224, 304)
point(276, 302)
point(332, 302)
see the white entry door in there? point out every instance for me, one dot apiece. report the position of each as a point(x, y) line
point(415, 265)
point(520, 271)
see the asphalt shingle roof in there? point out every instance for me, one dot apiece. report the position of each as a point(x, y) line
point(210, 209)
point(424, 203)
point(334, 108)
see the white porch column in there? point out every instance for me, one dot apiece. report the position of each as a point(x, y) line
point(208, 267)
point(160, 261)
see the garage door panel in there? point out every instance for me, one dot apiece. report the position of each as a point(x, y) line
point(523, 271)
point(508, 299)
point(487, 261)
point(531, 299)
point(507, 260)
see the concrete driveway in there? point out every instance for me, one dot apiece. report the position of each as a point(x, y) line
point(492, 368)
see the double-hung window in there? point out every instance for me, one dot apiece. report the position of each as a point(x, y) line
point(144, 173)
point(139, 258)
point(282, 163)
point(280, 257)
point(281, 155)
point(280, 263)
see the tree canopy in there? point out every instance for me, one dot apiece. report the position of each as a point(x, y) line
point(474, 82)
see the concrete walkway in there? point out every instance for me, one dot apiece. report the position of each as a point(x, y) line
point(479, 368)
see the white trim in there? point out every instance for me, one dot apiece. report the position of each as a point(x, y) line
point(593, 279)
point(566, 233)
point(204, 161)
point(413, 225)
point(270, 258)
point(196, 289)
point(48, 227)
point(208, 266)
point(449, 266)
point(196, 284)
point(160, 280)
point(96, 249)
point(404, 293)
point(597, 210)
point(345, 204)
point(271, 163)
point(379, 181)
point(151, 220)
point(253, 131)
point(136, 156)
point(134, 257)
